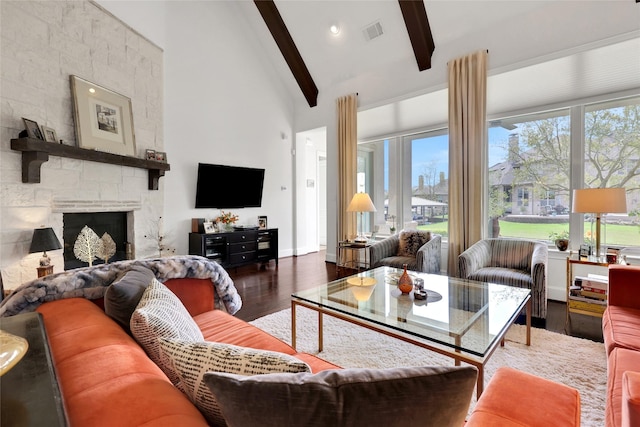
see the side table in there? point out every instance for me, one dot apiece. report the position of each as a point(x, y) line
point(29, 392)
point(580, 306)
point(349, 255)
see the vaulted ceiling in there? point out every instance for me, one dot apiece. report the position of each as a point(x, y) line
point(413, 14)
point(576, 71)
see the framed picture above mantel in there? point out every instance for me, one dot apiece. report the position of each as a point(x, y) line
point(103, 118)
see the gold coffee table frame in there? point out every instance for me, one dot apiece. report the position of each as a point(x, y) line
point(455, 351)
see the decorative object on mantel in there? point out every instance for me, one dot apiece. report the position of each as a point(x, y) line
point(49, 134)
point(44, 239)
point(35, 152)
point(161, 156)
point(225, 221)
point(87, 245)
point(32, 130)
point(150, 154)
point(104, 120)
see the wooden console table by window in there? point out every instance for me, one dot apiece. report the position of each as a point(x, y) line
point(35, 152)
point(29, 392)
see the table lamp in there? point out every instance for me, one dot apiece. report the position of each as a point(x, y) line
point(599, 201)
point(44, 239)
point(361, 202)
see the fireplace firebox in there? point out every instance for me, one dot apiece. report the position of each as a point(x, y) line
point(114, 223)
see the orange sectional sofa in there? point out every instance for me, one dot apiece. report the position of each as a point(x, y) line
point(621, 332)
point(107, 379)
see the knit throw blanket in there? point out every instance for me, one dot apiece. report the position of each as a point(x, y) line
point(92, 282)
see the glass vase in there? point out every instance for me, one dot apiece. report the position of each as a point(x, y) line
point(405, 283)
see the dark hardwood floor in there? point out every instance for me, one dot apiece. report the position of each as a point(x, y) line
point(265, 290)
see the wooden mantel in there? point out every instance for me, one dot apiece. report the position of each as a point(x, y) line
point(35, 152)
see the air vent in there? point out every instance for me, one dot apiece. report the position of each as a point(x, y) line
point(372, 31)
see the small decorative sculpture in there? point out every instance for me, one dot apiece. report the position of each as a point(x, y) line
point(87, 245)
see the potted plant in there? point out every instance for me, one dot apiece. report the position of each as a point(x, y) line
point(561, 239)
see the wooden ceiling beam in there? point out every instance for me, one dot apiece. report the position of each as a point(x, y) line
point(417, 23)
point(278, 30)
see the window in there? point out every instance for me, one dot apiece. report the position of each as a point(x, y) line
point(529, 159)
point(416, 194)
point(612, 159)
point(530, 173)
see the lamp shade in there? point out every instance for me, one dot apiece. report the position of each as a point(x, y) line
point(599, 200)
point(44, 239)
point(361, 202)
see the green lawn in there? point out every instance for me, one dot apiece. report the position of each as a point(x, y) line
point(624, 235)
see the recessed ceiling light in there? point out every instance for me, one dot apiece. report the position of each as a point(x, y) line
point(92, 90)
point(335, 29)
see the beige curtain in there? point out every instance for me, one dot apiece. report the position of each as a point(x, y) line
point(467, 153)
point(347, 107)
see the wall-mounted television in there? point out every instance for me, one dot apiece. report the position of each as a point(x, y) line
point(226, 187)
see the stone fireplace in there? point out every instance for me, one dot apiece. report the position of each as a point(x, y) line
point(69, 184)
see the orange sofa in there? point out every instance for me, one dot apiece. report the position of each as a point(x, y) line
point(621, 332)
point(107, 379)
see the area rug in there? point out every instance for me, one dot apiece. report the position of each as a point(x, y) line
point(577, 362)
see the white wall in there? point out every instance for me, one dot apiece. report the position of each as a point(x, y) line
point(224, 106)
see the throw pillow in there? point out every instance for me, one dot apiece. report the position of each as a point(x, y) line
point(123, 295)
point(161, 314)
point(402, 397)
point(191, 360)
point(412, 240)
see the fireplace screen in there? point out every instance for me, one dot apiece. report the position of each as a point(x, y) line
point(113, 223)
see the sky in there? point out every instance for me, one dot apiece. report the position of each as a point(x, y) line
point(427, 150)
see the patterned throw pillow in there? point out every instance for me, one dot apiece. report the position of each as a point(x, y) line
point(411, 241)
point(191, 360)
point(394, 397)
point(161, 314)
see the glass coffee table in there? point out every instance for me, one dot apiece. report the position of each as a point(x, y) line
point(463, 319)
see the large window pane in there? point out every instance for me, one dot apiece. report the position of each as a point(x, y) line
point(612, 159)
point(427, 202)
point(529, 175)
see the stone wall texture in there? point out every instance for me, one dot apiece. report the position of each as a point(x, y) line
point(42, 44)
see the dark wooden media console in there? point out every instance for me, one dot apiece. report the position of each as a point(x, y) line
point(236, 248)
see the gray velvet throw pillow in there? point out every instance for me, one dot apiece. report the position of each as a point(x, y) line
point(122, 296)
point(402, 397)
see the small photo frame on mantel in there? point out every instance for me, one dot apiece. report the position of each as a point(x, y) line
point(49, 134)
point(161, 156)
point(150, 154)
point(262, 222)
point(33, 130)
point(104, 118)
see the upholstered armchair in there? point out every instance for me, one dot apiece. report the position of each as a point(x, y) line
point(513, 262)
point(420, 250)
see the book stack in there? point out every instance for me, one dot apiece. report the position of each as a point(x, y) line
point(593, 286)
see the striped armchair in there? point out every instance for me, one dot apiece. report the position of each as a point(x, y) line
point(513, 262)
point(427, 259)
